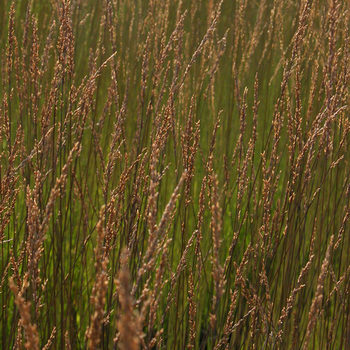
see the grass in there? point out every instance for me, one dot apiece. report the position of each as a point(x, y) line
point(174, 174)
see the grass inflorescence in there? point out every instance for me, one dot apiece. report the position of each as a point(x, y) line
point(174, 174)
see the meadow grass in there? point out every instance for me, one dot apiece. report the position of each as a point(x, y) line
point(174, 174)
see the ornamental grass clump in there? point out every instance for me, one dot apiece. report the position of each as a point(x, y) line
point(174, 174)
